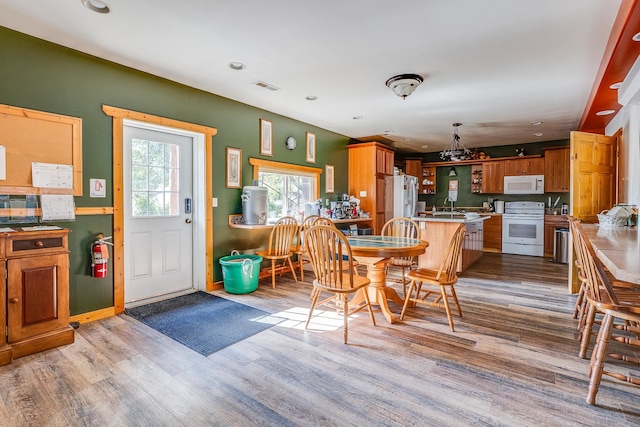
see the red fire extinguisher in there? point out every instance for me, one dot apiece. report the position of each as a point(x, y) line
point(100, 257)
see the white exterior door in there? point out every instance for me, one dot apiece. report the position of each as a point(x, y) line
point(158, 204)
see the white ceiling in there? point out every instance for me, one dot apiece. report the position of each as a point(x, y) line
point(493, 65)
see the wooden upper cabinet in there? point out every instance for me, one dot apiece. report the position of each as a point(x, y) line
point(413, 168)
point(493, 177)
point(524, 166)
point(557, 176)
point(384, 160)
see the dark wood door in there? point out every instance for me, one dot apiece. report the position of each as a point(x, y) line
point(38, 296)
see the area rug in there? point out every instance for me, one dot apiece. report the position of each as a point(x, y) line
point(205, 323)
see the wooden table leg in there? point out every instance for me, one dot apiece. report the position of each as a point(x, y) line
point(378, 290)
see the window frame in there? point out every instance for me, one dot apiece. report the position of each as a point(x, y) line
point(287, 168)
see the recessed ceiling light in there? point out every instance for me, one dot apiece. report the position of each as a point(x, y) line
point(358, 117)
point(425, 146)
point(538, 134)
point(387, 132)
point(605, 112)
point(615, 85)
point(636, 37)
point(535, 123)
point(311, 98)
point(96, 6)
point(237, 66)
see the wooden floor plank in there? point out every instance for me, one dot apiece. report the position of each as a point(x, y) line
point(512, 361)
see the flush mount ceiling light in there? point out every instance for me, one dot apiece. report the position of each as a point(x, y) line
point(403, 85)
point(96, 6)
point(605, 112)
point(455, 151)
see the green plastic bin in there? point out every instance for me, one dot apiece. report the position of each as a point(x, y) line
point(240, 273)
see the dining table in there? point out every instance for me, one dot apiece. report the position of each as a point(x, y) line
point(374, 252)
point(618, 248)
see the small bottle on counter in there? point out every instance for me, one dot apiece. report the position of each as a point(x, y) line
point(433, 209)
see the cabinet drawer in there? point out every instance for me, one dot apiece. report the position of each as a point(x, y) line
point(42, 243)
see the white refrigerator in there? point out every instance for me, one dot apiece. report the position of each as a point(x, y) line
point(405, 195)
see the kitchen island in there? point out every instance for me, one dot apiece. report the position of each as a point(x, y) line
point(439, 229)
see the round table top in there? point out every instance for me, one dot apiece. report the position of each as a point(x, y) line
point(386, 246)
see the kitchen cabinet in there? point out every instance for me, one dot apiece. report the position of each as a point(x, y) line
point(369, 164)
point(427, 184)
point(551, 224)
point(524, 166)
point(472, 244)
point(413, 167)
point(557, 174)
point(493, 234)
point(37, 290)
point(493, 177)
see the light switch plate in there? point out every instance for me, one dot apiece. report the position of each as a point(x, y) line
point(214, 202)
point(363, 193)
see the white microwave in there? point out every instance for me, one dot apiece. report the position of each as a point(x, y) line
point(524, 184)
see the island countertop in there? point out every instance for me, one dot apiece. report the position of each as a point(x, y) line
point(452, 218)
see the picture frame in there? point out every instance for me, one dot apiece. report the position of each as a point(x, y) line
point(266, 138)
point(311, 147)
point(234, 167)
point(329, 179)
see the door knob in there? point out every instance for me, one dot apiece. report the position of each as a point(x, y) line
point(188, 220)
point(14, 300)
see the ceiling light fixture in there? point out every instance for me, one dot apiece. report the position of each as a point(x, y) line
point(538, 134)
point(96, 6)
point(535, 123)
point(455, 151)
point(403, 85)
point(615, 85)
point(636, 37)
point(311, 98)
point(605, 112)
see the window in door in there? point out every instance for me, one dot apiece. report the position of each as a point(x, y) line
point(155, 184)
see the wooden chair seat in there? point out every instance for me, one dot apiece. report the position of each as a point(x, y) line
point(620, 303)
point(444, 278)
point(330, 256)
point(401, 227)
point(279, 247)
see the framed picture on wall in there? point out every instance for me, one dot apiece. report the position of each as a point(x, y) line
point(234, 167)
point(329, 188)
point(311, 147)
point(266, 138)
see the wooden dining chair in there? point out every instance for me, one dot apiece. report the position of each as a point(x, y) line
point(332, 263)
point(444, 277)
point(328, 222)
point(299, 248)
point(587, 313)
point(401, 227)
point(279, 248)
point(614, 303)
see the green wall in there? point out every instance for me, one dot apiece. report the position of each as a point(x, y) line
point(43, 76)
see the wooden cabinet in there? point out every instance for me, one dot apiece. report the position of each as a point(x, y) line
point(524, 166)
point(439, 234)
point(37, 291)
point(413, 167)
point(427, 184)
point(551, 224)
point(493, 234)
point(557, 175)
point(369, 164)
point(493, 177)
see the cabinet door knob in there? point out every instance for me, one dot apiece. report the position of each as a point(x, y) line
point(39, 244)
point(14, 300)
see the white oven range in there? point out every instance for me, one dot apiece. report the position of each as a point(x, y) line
point(523, 228)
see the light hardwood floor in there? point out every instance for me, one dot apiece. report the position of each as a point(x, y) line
point(512, 361)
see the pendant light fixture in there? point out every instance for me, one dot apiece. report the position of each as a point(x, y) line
point(455, 151)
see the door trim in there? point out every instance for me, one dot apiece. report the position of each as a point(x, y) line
point(119, 116)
